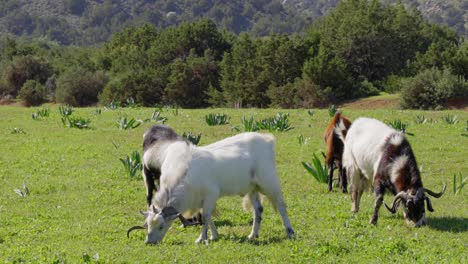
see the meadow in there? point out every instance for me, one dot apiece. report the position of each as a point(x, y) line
point(80, 200)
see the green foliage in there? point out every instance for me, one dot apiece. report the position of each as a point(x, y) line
point(156, 116)
point(278, 123)
point(132, 164)
point(249, 125)
point(459, 183)
point(125, 123)
point(32, 93)
point(421, 119)
point(79, 87)
point(41, 114)
point(24, 191)
point(431, 88)
point(17, 130)
point(217, 119)
point(398, 125)
point(316, 169)
point(24, 68)
point(302, 140)
point(76, 122)
point(332, 109)
point(65, 110)
point(195, 139)
point(450, 119)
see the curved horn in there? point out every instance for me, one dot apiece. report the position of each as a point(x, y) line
point(134, 228)
point(436, 195)
point(396, 201)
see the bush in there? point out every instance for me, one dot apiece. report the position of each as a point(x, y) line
point(79, 87)
point(25, 68)
point(431, 88)
point(32, 93)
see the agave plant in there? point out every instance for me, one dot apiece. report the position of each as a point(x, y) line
point(217, 119)
point(400, 126)
point(421, 119)
point(195, 139)
point(317, 169)
point(65, 110)
point(17, 130)
point(278, 123)
point(332, 109)
point(450, 119)
point(132, 163)
point(76, 122)
point(124, 123)
point(311, 113)
point(22, 192)
point(249, 125)
point(41, 114)
point(301, 140)
point(458, 184)
point(156, 116)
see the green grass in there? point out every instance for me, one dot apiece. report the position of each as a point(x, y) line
point(81, 202)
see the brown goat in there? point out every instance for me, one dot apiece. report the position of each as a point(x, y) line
point(336, 129)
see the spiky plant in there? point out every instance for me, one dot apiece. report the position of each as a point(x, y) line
point(217, 119)
point(450, 119)
point(125, 123)
point(132, 164)
point(195, 139)
point(249, 124)
point(317, 169)
point(278, 123)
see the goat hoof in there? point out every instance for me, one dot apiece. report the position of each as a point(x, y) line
point(252, 236)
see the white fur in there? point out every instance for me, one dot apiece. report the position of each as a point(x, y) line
point(195, 177)
point(396, 166)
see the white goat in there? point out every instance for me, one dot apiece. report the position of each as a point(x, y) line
point(193, 178)
point(375, 153)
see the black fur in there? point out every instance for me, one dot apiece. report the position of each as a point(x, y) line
point(408, 179)
point(159, 133)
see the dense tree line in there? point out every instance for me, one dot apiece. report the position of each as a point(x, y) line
point(358, 49)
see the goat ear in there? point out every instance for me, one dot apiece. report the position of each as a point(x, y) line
point(154, 209)
point(169, 213)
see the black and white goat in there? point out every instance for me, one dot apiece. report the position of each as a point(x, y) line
point(193, 178)
point(334, 137)
point(374, 151)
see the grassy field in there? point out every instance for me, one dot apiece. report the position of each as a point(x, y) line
point(81, 202)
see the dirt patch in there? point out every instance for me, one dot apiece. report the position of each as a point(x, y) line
point(458, 103)
point(393, 103)
point(364, 104)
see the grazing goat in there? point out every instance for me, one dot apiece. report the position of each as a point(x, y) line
point(374, 151)
point(336, 129)
point(193, 178)
point(152, 173)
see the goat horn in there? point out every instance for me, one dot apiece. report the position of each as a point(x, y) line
point(396, 201)
point(134, 228)
point(436, 195)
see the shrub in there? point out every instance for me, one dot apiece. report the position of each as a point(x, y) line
point(24, 68)
point(32, 93)
point(79, 87)
point(431, 88)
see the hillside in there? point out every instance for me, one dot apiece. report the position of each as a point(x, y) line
point(88, 22)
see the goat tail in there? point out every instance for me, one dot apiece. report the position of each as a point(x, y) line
point(341, 128)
